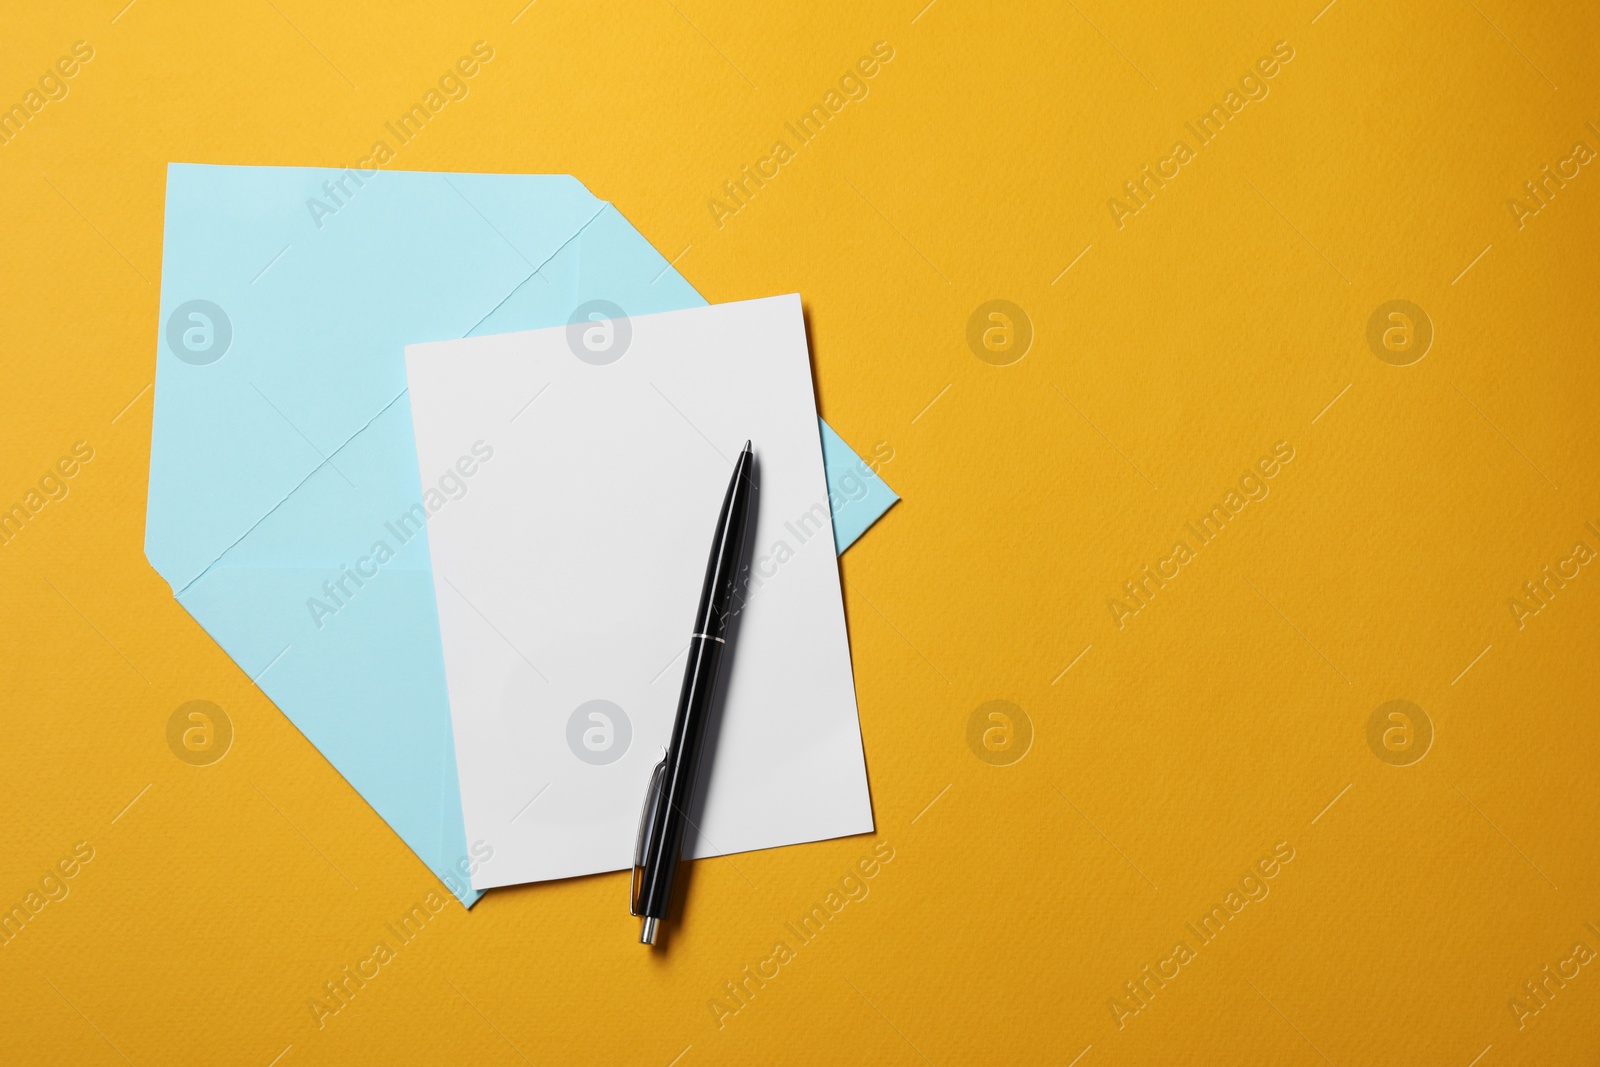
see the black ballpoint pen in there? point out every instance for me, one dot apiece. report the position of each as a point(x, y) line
point(668, 797)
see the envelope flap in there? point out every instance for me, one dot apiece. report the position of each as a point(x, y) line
point(287, 294)
point(536, 214)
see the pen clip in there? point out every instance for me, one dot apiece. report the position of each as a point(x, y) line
point(647, 823)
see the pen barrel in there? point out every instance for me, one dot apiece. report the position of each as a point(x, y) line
point(719, 595)
point(719, 601)
point(683, 764)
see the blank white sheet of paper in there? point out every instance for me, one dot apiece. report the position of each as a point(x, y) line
point(573, 478)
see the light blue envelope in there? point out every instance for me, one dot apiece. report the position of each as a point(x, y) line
point(285, 500)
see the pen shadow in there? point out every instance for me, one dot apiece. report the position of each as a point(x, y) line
point(719, 701)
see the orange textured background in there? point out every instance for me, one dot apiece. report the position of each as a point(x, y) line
point(1170, 352)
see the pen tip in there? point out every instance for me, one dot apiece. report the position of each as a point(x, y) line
point(747, 446)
